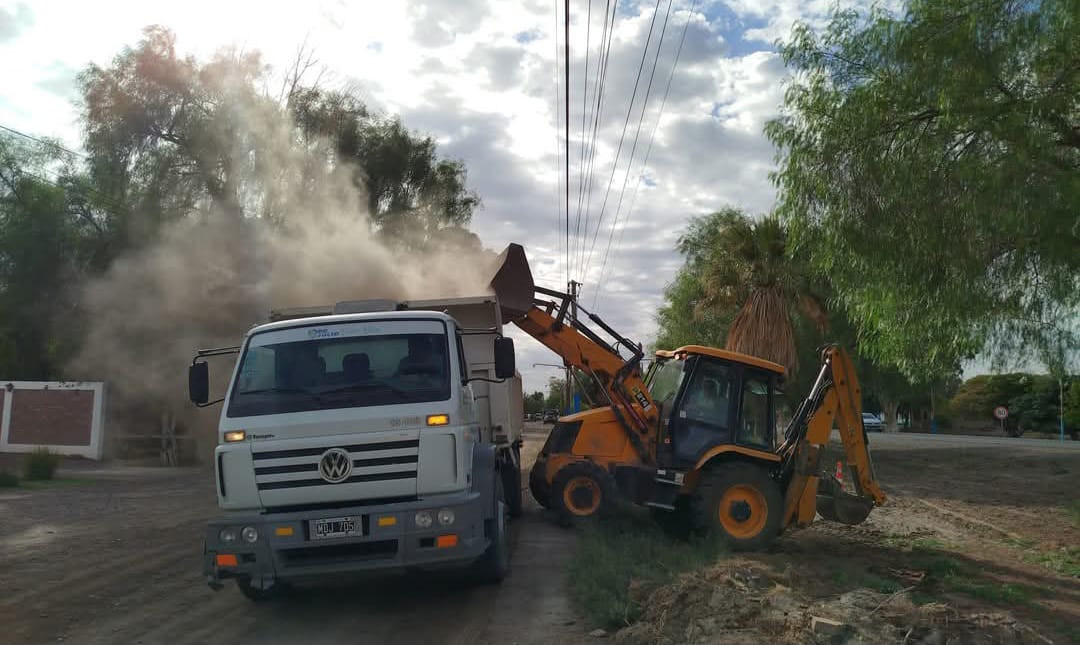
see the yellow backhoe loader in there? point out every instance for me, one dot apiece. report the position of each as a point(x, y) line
point(695, 435)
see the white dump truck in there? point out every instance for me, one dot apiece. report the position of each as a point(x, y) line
point(368, 435)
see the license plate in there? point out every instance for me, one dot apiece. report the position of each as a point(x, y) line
point(336, 527)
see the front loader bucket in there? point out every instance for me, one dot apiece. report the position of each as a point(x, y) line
point(512, 283)
point(836, 505)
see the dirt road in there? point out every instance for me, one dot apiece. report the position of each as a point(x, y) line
point(115, 556)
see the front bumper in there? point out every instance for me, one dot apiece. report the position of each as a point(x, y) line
point(284, 549)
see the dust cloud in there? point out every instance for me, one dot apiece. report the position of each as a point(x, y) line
point(301, 237)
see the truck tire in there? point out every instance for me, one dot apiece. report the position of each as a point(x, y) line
point(581, 491)
point(512, 483)
point(741, 504)
point(494, 565)
point(254, 594)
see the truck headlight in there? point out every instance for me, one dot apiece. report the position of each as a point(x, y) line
point(250, 534)
point(227, 536)
point(446, 517)
point(423, 519)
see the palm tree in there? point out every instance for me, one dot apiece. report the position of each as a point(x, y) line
point(746, 268)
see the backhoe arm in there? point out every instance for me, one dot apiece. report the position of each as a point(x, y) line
point(835, 399)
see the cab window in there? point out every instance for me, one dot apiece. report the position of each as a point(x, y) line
point(755, 422)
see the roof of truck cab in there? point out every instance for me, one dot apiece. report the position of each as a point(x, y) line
point(723, 354)
point(346, 318)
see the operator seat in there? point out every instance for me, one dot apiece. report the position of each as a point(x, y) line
point(357, 367)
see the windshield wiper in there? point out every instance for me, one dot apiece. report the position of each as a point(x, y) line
point(278, 390)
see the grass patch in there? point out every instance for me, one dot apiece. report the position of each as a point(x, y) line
point(612, 554)
point(865, 579)
point(8, 480)
point(917, 544)
point(41, 465)
point(1072, 508)
point(947, 574)
point(996, 593)
point(55, 483)
point(1065, 561)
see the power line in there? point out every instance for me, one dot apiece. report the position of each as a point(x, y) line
point(605, 54)
point(637, 135)
point(44, 142)
point(622, 137)
point(566, 63)
point(102, 197)
point(648, 149)
point(558, 131)
point(584, 110)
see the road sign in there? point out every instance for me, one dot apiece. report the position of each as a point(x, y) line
point(1001, 412)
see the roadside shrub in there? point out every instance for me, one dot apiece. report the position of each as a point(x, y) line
point(41, 464)
point(8, 480)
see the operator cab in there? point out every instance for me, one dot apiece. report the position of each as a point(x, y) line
point(712, 398)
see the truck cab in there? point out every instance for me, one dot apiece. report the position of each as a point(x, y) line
point(364, 436)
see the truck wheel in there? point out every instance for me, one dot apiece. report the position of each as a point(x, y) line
point(512, 483)
point(741, 504)
point(254, 594)
point(538, 486)
point(494, 565)
point(582, 490)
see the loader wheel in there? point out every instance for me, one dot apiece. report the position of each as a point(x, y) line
point(511, 474)
point(538, 486)
point(741, 504)
point(582, 490)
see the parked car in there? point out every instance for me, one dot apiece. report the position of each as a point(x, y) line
point(872, 423)
point(551, 416)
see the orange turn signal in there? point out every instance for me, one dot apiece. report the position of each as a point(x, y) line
point(387, 520)
point(446, 541)
point(226, 560)
point(438, 419)
point(283, 531)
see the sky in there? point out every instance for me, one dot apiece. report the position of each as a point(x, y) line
point(481, 77)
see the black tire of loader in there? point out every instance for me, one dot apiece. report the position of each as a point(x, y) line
point(706, 500)
point(511, 474)
point(538, 486)
point(578, 475)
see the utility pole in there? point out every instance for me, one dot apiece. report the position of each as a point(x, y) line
point(571, 404)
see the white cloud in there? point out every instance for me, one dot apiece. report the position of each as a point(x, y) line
point(479, 76)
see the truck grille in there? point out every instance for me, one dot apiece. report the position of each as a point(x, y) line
point(371, 462)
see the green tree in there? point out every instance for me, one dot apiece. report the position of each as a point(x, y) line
point(738, 274)
point(1072, 408)
point(534, 403)
point(928, 164)
point(556, 395)
point(170, 136)
point(40, 257)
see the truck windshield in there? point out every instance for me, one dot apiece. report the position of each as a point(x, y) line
point(341, 366)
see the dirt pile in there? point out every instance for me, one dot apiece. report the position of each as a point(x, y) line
point(745, 601)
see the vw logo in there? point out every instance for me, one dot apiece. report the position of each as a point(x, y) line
point(335, 466)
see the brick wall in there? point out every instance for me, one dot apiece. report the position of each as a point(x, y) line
point(57, 417)
point(66, 417)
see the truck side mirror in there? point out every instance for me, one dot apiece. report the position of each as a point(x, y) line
point(199, 383)
point(504, 357)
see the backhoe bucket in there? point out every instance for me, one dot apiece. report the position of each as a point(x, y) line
point(836, 505)
point(512, 283)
